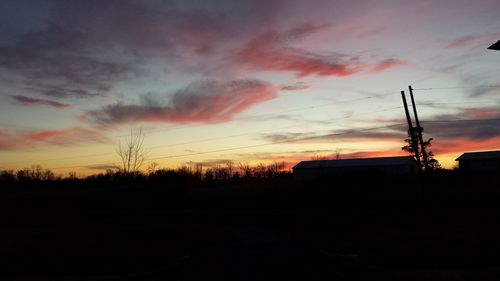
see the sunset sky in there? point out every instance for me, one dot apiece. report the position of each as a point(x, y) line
point(247, 81)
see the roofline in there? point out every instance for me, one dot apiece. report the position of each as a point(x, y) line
point(384, 157)
point(480, 151)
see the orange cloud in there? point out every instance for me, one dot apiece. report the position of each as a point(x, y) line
point(459, 146)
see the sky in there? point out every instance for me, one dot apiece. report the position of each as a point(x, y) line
point(247, 81)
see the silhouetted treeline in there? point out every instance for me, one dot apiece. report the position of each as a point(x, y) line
point(271, 185)
point(201, 223)
point(185, 175)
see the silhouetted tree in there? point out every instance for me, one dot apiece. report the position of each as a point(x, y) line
point(336, 156)
point(152, 167)
point(433, 163)
point(245, 170)
point(7, 176)
point(132, 152)
point(320, 157)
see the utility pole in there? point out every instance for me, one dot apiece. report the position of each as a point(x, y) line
point(411, 132)
point(419, 131)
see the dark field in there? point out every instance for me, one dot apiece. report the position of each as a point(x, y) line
point(341, 229)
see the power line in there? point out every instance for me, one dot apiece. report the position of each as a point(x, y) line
point(275, 114)
point(272, 143)
point(456, 87)
point(460, 120)
point(207, 139)
point(277, 142)
point(184, 126)
point(233, 148)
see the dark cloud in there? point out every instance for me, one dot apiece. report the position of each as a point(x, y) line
point(463, 129)
point(64, 92)
point(213, 163)
point(473, 124)
point(395, 132)
point(93, 44)
point(487, 90)
point(199, 102)
point(296, 87)
point(101, 167)
point(29, 101)
point(84, 47)
point(63, 70)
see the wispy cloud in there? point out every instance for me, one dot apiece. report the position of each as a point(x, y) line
point(464, 41)
point(473, 40)
point(268, 52)
point(295, 87)
point(65, 92)
point(13, 140)
point(393, 133)
point(29, 101)
point(387, 63)
point(199, 102)
point(101, 167)
point(69, 136)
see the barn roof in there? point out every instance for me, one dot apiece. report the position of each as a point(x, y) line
point(356, 162)
point(479, 155)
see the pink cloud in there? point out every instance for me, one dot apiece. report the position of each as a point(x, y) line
point(67, 136)
point(13, 140)
point(268, 52)
point(482, 113)
point(388, 63)
point(473, 40)
point(201, 102)
point(463, 41)
point(29, 101)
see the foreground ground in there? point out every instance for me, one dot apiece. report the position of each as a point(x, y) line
point(279, 231)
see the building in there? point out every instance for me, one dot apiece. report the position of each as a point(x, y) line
point(485, 161)
point(316, 169)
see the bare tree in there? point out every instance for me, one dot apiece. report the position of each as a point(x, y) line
point(153, 167)
point(132, 152)
point(338, 155)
